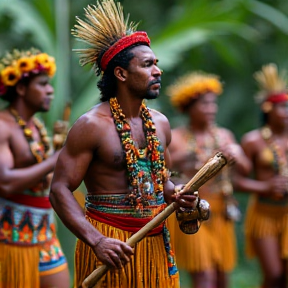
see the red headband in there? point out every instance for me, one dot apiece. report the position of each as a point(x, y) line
point(121, 44)
point(277, 98)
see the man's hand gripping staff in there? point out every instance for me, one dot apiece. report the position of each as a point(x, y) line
point(210, 169)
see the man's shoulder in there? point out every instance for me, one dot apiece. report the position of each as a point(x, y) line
point(225, 132)
point(252, 137)
point(5, 118)
point(6, 123)
point(96, 121)
point(158, 116)
point(96, 116)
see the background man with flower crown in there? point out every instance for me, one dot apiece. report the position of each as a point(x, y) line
point(119, 149)
point(211, 253)
point(30, 253)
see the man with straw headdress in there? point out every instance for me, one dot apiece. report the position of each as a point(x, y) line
point(30, 253)
point(266, 225)
point(211, 253)
point(119, 149)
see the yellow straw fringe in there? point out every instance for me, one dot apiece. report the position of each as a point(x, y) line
point(21, 266)
point(263, 220)
point(148, 270)
point(214, 245)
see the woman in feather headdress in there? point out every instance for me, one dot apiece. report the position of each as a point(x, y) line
point(267, 148)
point(119, 149)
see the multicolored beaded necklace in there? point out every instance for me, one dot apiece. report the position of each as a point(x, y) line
point(39, 149)
point(280, 160)
point(203, 152)
point(155, 153)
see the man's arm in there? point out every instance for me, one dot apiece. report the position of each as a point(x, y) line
point(17, 180)
point(274, 186)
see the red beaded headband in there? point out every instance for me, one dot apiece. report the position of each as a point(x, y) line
point(125, 42)
point(277, 98)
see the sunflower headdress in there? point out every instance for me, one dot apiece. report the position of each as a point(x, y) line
point(273, 86)
point(19, 64)
point(107, 33)
point(191, 86)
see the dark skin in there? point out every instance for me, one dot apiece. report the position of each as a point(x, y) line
point(268, 184)
point(202, 115)
point(100, 161)
point(19, 169)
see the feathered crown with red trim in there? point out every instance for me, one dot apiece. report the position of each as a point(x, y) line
point(273, 85)
point(106, 32)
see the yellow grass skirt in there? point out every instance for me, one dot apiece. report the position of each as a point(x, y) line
point(214, 245)
point(148, 266)
point(265, 220)
point(21, 266)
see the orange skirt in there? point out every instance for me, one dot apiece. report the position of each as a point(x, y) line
point(214, 245)
point(148, 266)
point(265, 220)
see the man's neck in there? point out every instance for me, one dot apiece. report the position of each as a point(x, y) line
point(25, 114)
point(130, 107)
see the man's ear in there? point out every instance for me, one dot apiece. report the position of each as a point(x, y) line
point(120, 73)
point(21, 89)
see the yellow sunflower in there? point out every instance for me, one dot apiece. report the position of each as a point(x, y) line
point(10, 76)
point(51, 69)
point(43, 60)
point(26, 64)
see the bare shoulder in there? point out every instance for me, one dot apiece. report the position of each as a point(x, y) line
point(226, 134)
point(253, 137)
point(90, 125)
point(6, 124)
point(179, 131)
point(159, 117)
point(162, 125)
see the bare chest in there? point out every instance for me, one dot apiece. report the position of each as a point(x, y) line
point(21, 149)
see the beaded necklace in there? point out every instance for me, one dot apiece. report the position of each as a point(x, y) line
point(203, 152)
point(155, 152)
point(280, 159)
point(39, 149)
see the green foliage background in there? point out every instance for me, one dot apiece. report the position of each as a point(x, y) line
point(231, 38)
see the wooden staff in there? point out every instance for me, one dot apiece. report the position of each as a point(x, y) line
point(210, 169)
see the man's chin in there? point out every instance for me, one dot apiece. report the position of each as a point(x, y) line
point(44, 109)
point(152, 96)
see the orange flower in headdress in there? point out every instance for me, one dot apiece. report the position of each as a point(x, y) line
point(10, 76)
point(43, 60)
point(26, 64)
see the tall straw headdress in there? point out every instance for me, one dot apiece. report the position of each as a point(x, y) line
point(191, 86)
point(273, 86)
point(106, 32)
